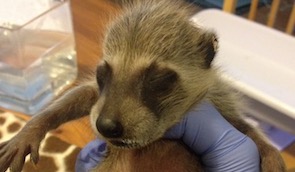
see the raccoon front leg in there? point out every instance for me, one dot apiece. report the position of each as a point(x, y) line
point(74, 104)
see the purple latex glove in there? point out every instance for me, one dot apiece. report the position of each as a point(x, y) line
point(222, 147)
point(91, 155)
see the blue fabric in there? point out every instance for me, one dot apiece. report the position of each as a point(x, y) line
point(222, 147)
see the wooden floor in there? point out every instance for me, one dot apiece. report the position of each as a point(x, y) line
point(90, 19)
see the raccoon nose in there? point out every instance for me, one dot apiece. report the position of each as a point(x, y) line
point(109, 128)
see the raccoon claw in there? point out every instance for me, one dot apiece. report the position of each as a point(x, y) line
point(14, 151)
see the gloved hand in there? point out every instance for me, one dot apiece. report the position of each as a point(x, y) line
point(222, 147)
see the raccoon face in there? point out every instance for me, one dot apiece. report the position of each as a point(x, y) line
point(139, 103)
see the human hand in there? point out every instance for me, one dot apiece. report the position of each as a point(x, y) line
point(221, 146)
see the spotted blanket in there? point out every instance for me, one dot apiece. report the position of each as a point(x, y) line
point(55, 154)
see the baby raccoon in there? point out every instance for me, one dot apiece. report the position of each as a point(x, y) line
point(156, 65)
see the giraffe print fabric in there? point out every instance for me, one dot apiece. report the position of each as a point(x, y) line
point(55, 154)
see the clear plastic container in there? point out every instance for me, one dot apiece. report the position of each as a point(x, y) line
point(37, 53)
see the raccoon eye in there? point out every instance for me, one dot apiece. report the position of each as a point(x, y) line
point(158, 83)
point(103, 74)
point(163, 81)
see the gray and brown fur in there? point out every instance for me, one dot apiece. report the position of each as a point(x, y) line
point(156, 65)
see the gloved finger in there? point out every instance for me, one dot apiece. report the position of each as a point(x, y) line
point(91, 155)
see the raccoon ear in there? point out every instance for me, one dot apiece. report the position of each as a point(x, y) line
point(208, 45)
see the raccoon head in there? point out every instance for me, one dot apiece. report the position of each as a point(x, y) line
point(155, 67)
point(141, 99)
